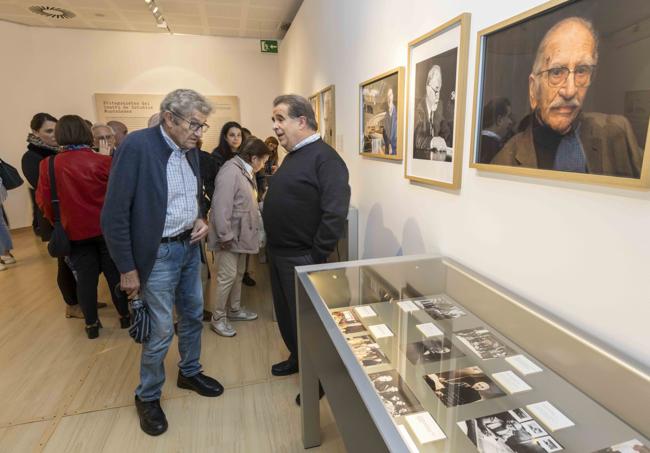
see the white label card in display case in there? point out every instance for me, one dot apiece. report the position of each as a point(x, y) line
point(407, 439)
point(380, 331)
point(523, 364)
point(407, 306)
point(365, 312)
point(511, 382)
point(425, 427)
point(429, 330)
point(550, 415)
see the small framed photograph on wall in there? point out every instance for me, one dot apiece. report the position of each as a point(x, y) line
point(436, 90)
point(327, 117)
point(562, 91)
point(314, 100)
point(381, 115)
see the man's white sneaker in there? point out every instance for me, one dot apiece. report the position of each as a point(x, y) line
point(242, 315)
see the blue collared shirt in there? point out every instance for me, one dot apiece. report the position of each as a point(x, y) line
point(182, 202)
point(311, 139)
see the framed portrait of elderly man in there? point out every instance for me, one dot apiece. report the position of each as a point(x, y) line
point(381, 115)
point(562, 92)
point(437, 73)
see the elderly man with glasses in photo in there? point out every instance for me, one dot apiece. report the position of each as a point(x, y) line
point(560, 136)
point(153, 224)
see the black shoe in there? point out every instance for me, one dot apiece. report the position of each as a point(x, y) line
point(201, 384)
point(92, 330)
point(285, 368)
point(125, 322)
point(152, 417)
point(101, 305)
point(321, 393)
point(207, 316)
point(247, 280)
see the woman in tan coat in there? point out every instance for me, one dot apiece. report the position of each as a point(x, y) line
point(235, 227)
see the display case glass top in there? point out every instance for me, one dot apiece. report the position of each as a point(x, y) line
point(456, 361)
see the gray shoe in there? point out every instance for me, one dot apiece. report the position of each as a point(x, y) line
point(242, 315)
point(222, 327)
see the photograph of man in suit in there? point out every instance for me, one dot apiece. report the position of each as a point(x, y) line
point(433, 134)
point(390, 124)
point(560, 136)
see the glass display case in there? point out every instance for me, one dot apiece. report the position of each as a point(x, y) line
point(423, 354)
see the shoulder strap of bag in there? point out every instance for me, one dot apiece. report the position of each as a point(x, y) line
point(53, 194)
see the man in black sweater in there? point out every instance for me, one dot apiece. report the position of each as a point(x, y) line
point(304, 211)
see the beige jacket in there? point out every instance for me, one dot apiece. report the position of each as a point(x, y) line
point(234, 215)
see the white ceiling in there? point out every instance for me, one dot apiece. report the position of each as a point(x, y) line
point(238, 18)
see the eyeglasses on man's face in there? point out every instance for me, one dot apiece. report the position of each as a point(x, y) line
point(194, 126)
point(582, 75)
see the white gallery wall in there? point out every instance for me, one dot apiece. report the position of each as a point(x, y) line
point(58, 71)
point(581, 252)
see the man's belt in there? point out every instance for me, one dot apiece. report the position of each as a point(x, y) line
point(185, 235)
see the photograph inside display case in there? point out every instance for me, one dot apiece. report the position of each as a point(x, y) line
point(347, 321)
point(483, 343)
point(394, 393)
point(631, 446)
point(432, 350)
point(513, 431)
point(463, 386)
point(440, 308)
point(367, 351)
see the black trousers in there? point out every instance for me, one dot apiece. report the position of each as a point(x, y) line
point(282, 270)
point(88, 259)
point(67, 283)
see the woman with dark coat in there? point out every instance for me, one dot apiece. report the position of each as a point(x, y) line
point(230, 140)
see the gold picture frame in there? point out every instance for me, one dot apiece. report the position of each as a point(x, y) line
point(379, 144)
point(550, 13)
point(321, 101)
point(434, 143)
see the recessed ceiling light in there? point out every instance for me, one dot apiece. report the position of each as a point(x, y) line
point(53, 12)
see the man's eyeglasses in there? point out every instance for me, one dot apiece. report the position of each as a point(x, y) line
point(582, 75)
point(194, 125)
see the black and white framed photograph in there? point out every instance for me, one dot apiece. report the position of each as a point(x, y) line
point(397, 397)
point(432, 350)
point(560, 93)
point(463, 386)
point(314, 100)
point(367, 351)
point(327, 115)
point(381, 115)
point(483, 343)
point(347, 321)
point(436, 88)
point(505, 433)
point(439, 308)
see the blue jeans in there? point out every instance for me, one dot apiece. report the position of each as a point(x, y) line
point(5, 237)
point(175, 279)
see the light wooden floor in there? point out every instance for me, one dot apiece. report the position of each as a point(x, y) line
point(60, 392)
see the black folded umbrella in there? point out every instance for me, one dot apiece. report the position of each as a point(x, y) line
point(140, 320)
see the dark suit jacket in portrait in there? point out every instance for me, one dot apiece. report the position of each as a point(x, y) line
point(608, 142)
point(390, 131)
point(425, 130)
point(490, 146)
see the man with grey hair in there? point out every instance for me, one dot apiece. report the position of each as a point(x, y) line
point(560, 135)
point(120, 130)
point(432, 132)
point(103, 138)
point(304, 211)
point(153, 225)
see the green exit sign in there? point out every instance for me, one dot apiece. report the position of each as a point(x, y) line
point(269, 46)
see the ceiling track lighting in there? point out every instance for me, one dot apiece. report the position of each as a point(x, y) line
point(157, 15)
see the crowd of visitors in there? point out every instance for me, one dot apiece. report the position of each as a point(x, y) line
point(141, 207)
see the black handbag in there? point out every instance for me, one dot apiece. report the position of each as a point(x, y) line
point(10, 176)
point(59, 245)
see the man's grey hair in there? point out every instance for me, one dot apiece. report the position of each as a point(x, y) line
point(541, 50)
point(434, 69)
point(298, 106)
point(98, 125)
point(184, 102)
